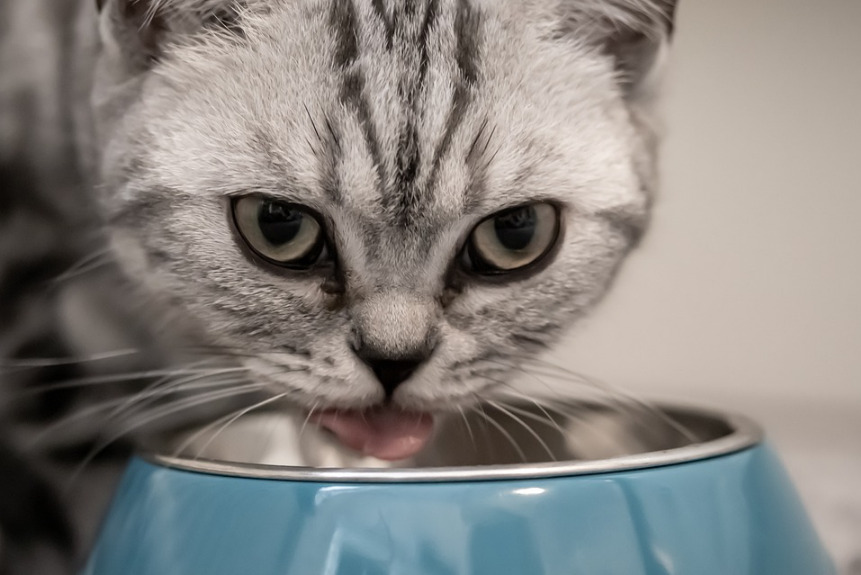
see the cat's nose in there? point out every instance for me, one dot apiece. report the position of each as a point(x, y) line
point(393, 334)
point(393, 372)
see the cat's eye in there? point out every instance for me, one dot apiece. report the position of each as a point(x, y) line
point(282, 233)
point(513, 239)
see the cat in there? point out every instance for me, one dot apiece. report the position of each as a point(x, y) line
point(376, 208)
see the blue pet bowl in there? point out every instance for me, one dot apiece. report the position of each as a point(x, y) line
point(595, 491)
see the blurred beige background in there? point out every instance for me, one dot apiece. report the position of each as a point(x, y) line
point(747, 292)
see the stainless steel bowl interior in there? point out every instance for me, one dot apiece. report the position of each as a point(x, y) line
point(494, 442)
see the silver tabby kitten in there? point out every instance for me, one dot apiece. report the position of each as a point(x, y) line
point(381, 207)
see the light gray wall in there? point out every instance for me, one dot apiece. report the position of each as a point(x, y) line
point(747, 292)
point(750, 279)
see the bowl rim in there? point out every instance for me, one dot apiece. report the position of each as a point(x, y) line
point(745, 434)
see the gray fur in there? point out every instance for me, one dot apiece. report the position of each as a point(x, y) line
point(223, 114)
point(404, 123)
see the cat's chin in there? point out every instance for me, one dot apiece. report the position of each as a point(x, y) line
point(389, 434)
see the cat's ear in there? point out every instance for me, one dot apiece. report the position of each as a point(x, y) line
point(634, 32)
point(139, 31)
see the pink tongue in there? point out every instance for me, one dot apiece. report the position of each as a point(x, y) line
point(382, 433)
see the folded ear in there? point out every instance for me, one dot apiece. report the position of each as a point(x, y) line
point(633, 32)
point(140, 30)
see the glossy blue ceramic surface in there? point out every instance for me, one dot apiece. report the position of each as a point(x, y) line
point(735, 514)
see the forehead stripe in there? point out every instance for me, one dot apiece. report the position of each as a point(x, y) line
point(388, 25)
point(467, 26)
point(345, 25)
point(409, 158)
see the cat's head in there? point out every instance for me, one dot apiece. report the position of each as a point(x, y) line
point(375, 200)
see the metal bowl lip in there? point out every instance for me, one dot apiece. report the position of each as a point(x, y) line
point(745, 434)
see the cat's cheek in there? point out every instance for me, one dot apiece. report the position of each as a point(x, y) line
point(309, 388)
point(464, 311)
point(456, 346)
point(311, 293)
point(130, 254)
point(439, 384)
point(439, 392)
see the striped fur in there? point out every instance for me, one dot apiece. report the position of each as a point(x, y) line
point(126, 124)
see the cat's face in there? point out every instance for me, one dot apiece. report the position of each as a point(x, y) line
point(428, 190)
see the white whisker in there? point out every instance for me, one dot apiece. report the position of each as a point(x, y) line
point(125, 377)
point(505, 434)
point(522, 396)
point(308, 417)
point(236, 417)
point(85, 265)
point(465, 420)
point(633, 402)
point(155, 415)
point(158, 388)
point(95, 409)
point(525, 426)
point(40, 362)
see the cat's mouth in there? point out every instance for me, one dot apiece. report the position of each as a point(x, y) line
point(385, 433)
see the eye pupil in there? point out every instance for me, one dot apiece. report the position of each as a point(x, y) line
point(516, 229)
point(278, 223)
